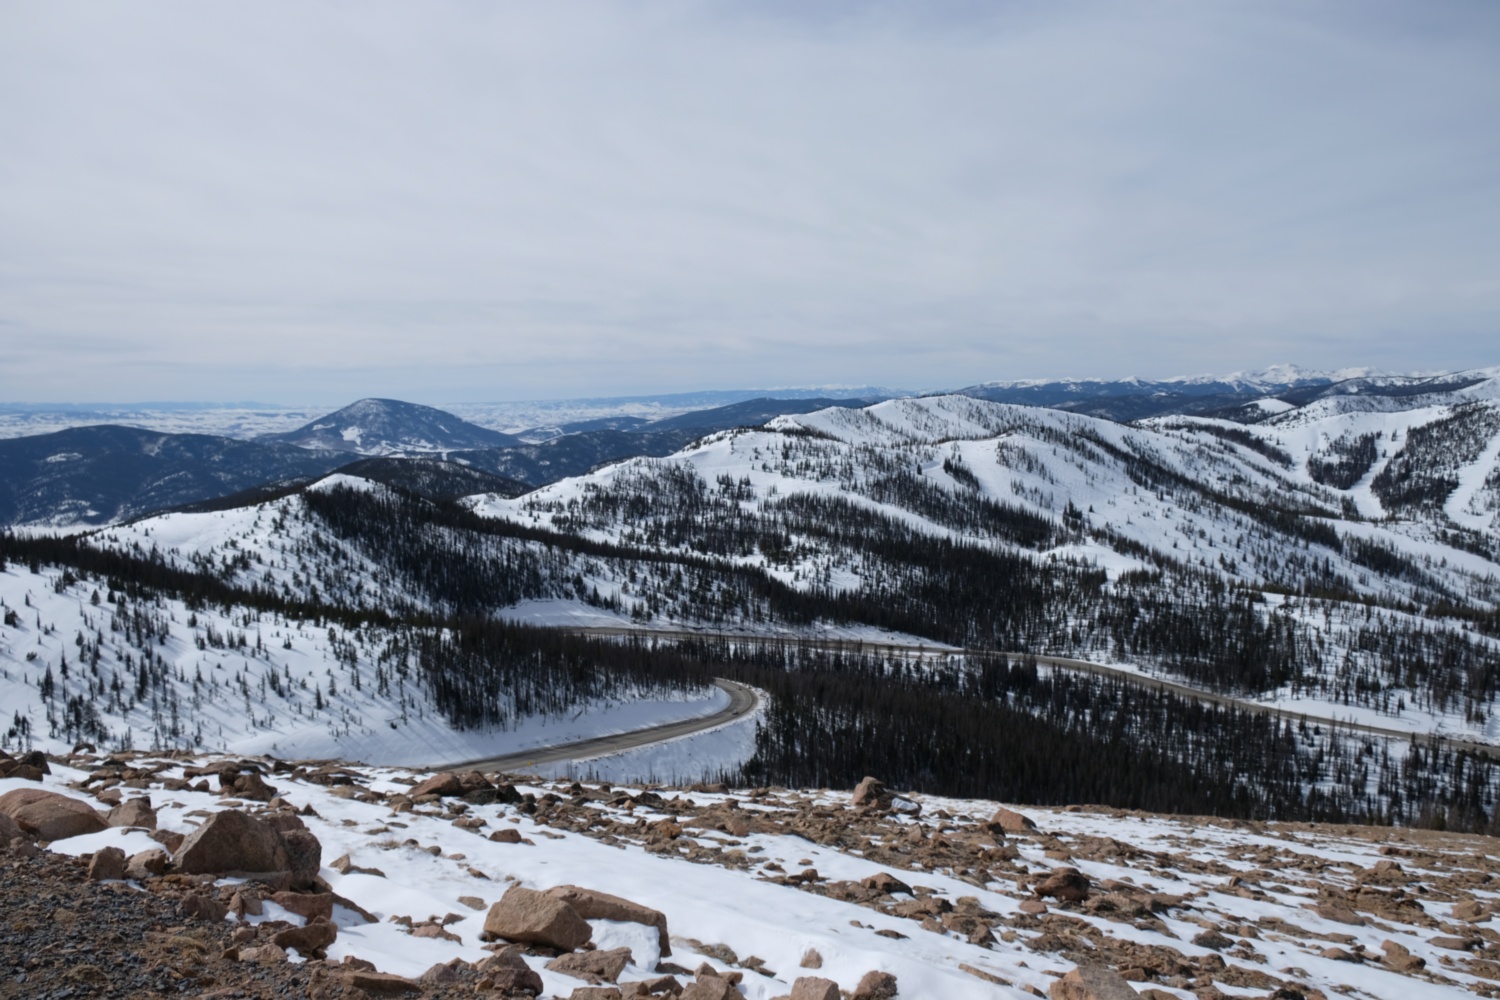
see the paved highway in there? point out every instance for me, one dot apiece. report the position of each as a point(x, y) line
point(742, 701)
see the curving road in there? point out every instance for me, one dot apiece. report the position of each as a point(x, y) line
point(742, 701)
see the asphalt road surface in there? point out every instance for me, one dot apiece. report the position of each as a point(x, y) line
point(742, 701)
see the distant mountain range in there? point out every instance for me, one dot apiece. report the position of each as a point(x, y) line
point(107, 473)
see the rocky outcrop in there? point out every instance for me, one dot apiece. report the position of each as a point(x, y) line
point(590, 904)
point(530, 917)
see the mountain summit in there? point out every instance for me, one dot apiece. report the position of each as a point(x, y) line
point(391, 427)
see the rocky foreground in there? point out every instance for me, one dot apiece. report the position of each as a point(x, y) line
point(143, 874)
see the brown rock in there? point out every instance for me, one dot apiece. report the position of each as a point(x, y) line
point(710, 988)
point(443, 783)
point(107, 865)
point(1400, 958)
point(595, 993)
point(814, 988)
point(1470, 911)
point(506, 835)
point(590, 904)
point(1338, 912)
point(1065, 884)
point(885, 882)
point(378, 982)
point(1012, 822)
point(1092, 982)
point(8, 829)
point(146, 864)
point(206, 908)
point(134, 812)
point(532, 917)
point(593, 965)
point(871, 793)
point(811, 959)
point(439, 974)
point(1035, 907)
point(232, 841)
point(266, 954)
point(1453, 943)
point(309, 940)
point(308, 906)
point(252, 788)
point(49, 815)
point(875, 985)
point(522, 980)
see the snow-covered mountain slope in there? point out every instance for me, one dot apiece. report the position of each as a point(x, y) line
point(765, 886)
point(392, 427)
point(82, 661)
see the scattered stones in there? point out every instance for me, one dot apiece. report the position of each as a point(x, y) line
point(532, 917)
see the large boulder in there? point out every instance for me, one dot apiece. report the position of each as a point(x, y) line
point(235, 843)
point(591, 904)
point(442, 783)
point(50, 815)
point(875, 985)
point(1092, 982)
point(1012, 822)
point(8, 829)
point(531, 917)
point(1066, 884)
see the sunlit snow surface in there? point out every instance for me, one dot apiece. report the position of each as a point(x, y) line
point(716, 903)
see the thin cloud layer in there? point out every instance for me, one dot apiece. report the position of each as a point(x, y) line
point(294, 201)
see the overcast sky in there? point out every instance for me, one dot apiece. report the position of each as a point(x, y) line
point(449, 200)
